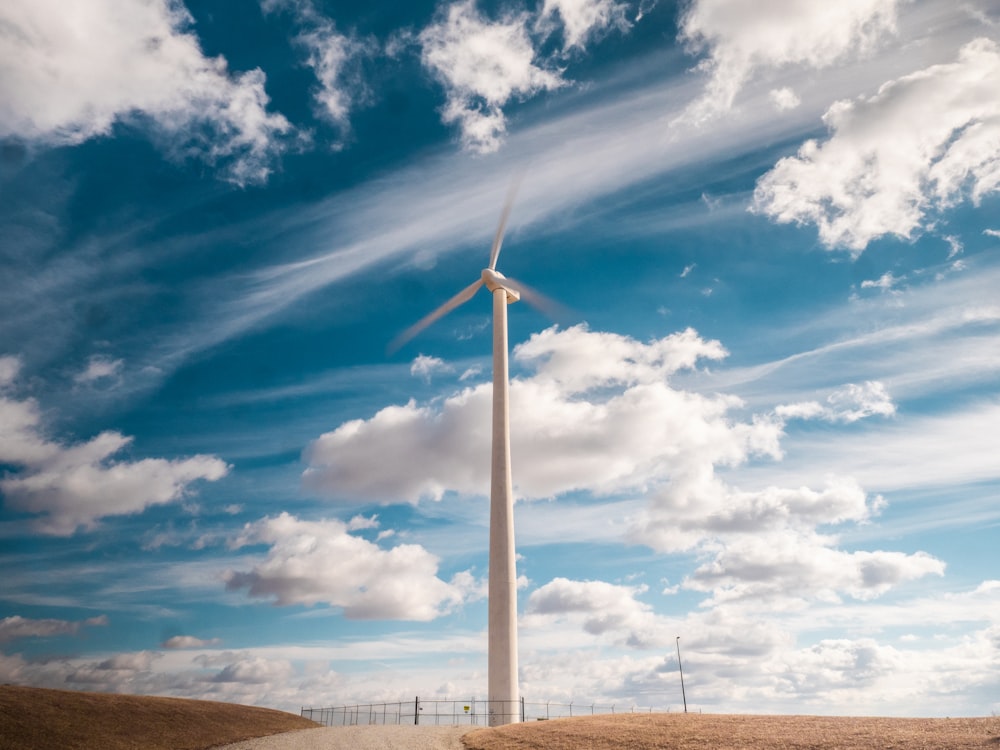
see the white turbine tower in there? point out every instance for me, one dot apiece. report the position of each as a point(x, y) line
point(504, 699)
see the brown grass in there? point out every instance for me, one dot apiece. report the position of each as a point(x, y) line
point(35, 718)
point(725, 732)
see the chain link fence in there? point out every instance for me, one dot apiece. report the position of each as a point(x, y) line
point(447, 712)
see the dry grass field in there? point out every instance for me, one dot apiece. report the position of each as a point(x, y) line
point(729, 732)
point(38, 719)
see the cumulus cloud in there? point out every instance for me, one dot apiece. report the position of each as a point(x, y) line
point(425, 367)
point(601, 608)
point(886, 282)
point(784, 98)
point(802, 565)
point(584, 19)
point(597, 414)
point(482, 65)
point(14, 627)
point(67, 487)
point(848, 404)
point(697, 507)
point(119, 669)
point(254, 670)
point(99, 368)
point(765, 545)
point(188, 641)
point(309, 562)
point(68, 77)
point(741, 38)
point(893, 161)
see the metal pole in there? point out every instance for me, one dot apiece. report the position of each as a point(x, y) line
point(681, 669)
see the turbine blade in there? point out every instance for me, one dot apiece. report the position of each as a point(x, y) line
point(463, 296)
point(501, 227)
point(553, 310)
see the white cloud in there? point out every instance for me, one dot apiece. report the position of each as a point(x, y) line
point(886, 282)
point(696, 508)
point(254, 670)
point(955, 246)
point(784, 98)
point(583, 19)
point(743, 38)
point(328, 52)
point(10, 366)
point(66, 77)
point(992, 232)
point(597, 414)
point(15, 627)
point(424, 366)
point(99, 368)
point(188, 641)
point(360, 522)
point(847, 404)
point(921, 144)
point(600, 607)
point(783, 566)
point(310, 562)
point(120, 669)
point(66, 487)
point(482, 65)
point(331, 55)
point(854, 402)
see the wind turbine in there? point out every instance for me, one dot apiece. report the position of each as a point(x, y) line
point(503, 693)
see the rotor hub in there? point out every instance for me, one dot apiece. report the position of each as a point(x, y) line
point(495, 280)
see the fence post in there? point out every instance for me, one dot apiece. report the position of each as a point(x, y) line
point(416, 710)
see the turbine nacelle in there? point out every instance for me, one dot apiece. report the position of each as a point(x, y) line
point(495, 280)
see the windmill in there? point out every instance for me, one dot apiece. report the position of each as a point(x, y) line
point(503, 693)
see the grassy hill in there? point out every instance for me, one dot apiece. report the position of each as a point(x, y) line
point(729, 732)
point(36, 718)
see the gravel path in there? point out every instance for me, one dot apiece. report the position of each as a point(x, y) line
point(365, 737)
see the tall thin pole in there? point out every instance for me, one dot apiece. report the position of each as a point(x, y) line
point(502, 677)
point(681, 669)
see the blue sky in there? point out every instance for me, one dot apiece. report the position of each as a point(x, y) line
point(763, 415)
